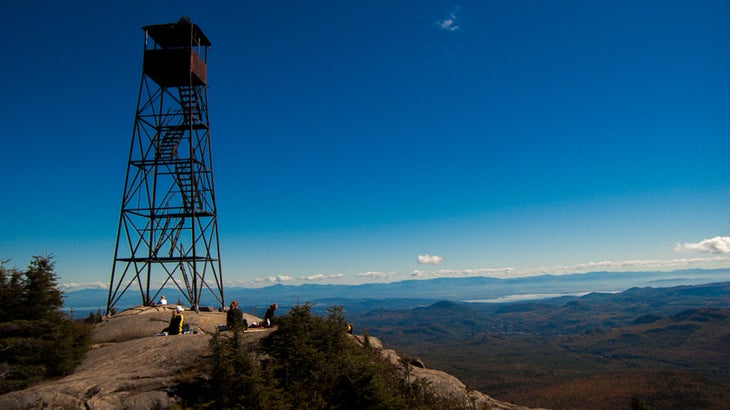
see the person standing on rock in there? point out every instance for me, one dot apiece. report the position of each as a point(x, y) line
point(176, 322)
point(269, 315)
point(235, 319)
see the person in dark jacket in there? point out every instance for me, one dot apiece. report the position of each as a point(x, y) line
point(176, 323)
point(235, 319)
point(269, 315)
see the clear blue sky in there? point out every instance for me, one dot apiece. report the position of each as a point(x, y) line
point(351, 139)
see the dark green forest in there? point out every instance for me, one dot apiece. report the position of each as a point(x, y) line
point(309, 362)
point(38, 340)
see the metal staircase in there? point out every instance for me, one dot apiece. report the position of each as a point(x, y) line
point(191, 195)
point(167, 149)
point(190, 103)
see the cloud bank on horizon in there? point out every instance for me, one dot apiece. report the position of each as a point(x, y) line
point(716, 245)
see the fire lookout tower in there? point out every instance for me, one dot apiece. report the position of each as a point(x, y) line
point(168, 231)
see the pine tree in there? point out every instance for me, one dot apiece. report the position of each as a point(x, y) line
point(318, 366)
point(42, 298)
point(10, 288)
point(308, 362)
point(37, 340)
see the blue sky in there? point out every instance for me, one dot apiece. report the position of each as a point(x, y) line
point(378, 141)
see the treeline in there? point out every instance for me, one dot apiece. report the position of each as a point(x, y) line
point(308, 362)
point(37, 339)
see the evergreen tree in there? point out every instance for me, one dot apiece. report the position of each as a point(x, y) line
point(37, 340)
point(10, 288)
point(318, 366)
point(308, 362)
point(41, 297)
point(238, 379)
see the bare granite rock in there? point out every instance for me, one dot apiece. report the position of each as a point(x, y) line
point(130, 367)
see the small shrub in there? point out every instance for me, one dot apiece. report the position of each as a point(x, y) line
point(94, 317)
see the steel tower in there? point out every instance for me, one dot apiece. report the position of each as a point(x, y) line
point(168, 231)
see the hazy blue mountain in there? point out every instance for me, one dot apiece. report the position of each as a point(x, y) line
point(595, 312)
point(544, 352)
point(413, 293)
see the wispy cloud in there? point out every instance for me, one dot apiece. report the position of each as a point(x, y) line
point(626, 265)
point(429, 259)
point(449, 23)
point(634, 264)
point(83, 285)
point(718, 244)
point(457, 273)
point(420, 274)
point(241, 282)
point(375, 274)
point(496, 272)
point(320, 276)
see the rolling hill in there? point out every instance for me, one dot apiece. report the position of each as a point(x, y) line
point(545, 354)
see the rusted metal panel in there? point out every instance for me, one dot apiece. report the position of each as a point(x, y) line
point(198, 67)
point(173, 67)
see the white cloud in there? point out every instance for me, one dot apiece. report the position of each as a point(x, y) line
point(240, 282)
point(278, 278)
point(626, 265)
point(429, 259)
point(420, 274)
point(320, 276)
point(84, 285)
point(718, 244)
point(635, 264)
point(375, 274)
point(492, 272)
point(457, 273)
point(449, 23)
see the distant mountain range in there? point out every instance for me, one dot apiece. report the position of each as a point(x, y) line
point(615, 338)
point(666, 346)
point(413, 293)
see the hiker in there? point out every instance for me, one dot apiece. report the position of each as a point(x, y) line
point(269, 315)
point(176, 323)
point(162, 301)
point(235, 319)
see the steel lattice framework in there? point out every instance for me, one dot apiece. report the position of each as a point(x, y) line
point(168, 230)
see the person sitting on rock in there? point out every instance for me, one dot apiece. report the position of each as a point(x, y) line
point(162, 301)
point(176, 322)
point(235, 319)
point(269, 315)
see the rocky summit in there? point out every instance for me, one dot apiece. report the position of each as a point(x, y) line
point(130, 367)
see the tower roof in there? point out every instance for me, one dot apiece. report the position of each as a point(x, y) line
point(180, 34)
